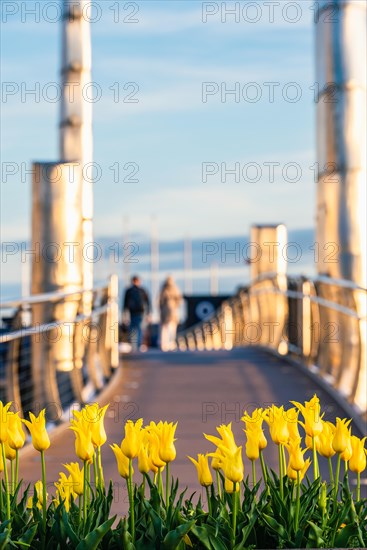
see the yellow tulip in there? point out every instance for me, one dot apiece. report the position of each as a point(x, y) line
point(155, 459)
point(130, 445)
point(232, 464)
point(143, 459)
point(276, 419)
point(203, 470)
point(341, 435)
point(4, 421)
point(292, 422)
point(167, 450)
point(226, 437)
point(9, 452)
point(325, 439)
point(256, 440)
point(77, 476)
point(292, 474)
point(84, 447)
point(38, 489)
point(296, 460)
point(16, 435)
point(37, 428)
point(357, 462)
point(216, 460)
point(252, 447)
point(311, 414)
point(229, 486)
point(1, 462)
point(122, 461)
point(348, 451)
point(94, 415)
point(65, 492)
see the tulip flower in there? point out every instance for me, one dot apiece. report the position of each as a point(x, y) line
point(130, 445)
point(276, 419)
point(357, 462)
point(144, 464)
point(311, 414)
point(347, 453)
point(167, 450)
point(122, 461)
point(77, 476)
point(325, 439)
point(84, 447)
point(226, 440)
point(94, 415)
point(16, 435)
point(340, 443)
point(292, 423)
point(154, 450)
point(231, 487)
point(9, 452)
point(203, 470)
point(292, 474)
point(40, 495)
point(312, 425)
point(232, 464)
point(341, 435)
point(65, 490)
point(296, 460)
point(4, 421)
point(37, 428)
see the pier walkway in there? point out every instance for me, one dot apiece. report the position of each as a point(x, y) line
point(198, 389)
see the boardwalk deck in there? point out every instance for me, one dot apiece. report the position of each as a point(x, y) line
point(200, 390)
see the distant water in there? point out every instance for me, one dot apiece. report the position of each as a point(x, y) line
point(216, 262)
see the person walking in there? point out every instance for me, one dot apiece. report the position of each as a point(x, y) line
point(137, 303)
point(169, 302)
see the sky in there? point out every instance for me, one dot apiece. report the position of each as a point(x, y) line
point(184, 133)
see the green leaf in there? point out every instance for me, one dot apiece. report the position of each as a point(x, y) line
point(93, 539)
point(173, 538)
point(28, 536)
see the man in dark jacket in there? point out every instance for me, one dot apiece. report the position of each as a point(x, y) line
point(136, 302)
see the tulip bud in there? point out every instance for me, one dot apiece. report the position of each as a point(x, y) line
point(203, 471)
point(122, 461)
point(130, 445)
point(341, 435)
point(357, 462)
point(4, 421)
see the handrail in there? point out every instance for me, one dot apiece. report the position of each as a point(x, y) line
point(321, 320)
point(65, 353)
point(48, 297)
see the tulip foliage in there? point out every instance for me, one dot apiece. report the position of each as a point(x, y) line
point(294, 507)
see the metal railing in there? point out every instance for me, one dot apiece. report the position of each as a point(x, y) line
point(64, 359)
point(322, 321)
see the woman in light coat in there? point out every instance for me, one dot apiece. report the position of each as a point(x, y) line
point(169, 302)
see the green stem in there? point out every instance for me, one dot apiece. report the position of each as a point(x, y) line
point(167, 484)
point(16, 468)
point(80, 508)
point(298, 497)
point(132, 508)
point(284, 461)
point(253, 472)
point(95, 473)
point(263, 467)
point(44, 491)
point(209, 501)
point(280, 471)
point(358, 486)
point(337, 473)
point(315, 460)
point(85, 477)
point(234, 514)
point(12, 476)
point(7, 495)
point(219, 488)
point(100, 469)
point(331, 475)
point(1, 499)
